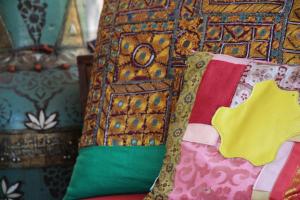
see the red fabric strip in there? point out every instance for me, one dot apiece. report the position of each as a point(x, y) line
point(121, 197)
point(284, 181)
point(216, 89)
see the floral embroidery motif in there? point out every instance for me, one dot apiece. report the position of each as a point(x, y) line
point(33, 13)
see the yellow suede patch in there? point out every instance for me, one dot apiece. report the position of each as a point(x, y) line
point(256, 129)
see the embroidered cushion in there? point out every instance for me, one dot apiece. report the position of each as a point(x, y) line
point(141, 41)
point(193, 167)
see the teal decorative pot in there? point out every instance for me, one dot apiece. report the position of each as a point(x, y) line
point(40, 113)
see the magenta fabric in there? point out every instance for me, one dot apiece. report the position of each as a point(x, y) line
point(216, 89)
point(204, 174)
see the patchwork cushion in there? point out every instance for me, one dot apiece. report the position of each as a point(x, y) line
point(142, 44)
point(193, 167)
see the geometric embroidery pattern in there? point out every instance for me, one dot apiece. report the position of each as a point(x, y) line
point(134, 114)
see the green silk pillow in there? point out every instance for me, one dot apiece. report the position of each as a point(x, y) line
point(120, 170)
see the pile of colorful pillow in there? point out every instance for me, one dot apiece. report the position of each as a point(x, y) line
point(230, 124)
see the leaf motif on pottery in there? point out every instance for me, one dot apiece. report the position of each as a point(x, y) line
point(41, 122)
point(10, 192)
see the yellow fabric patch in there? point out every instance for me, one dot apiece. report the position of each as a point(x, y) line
point(256, 129)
